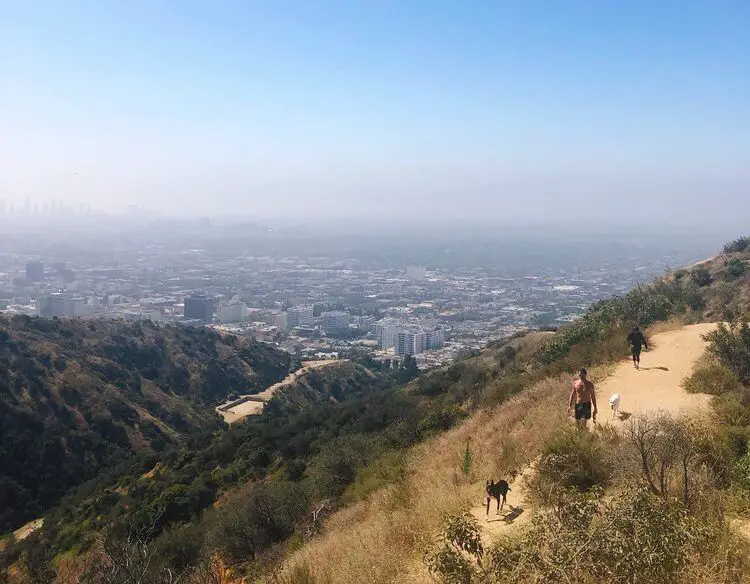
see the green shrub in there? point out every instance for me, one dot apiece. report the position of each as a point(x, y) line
point(636, 538)
point(337, 464)
point(738, 245)
point(264, 515)
point(731, 345)
point(643, 305)
point(386, 470)
point(735, 269)
point(742, 473)
point(459, 543)
point(466, 463)
point(573, 459)
point(733, 409)
point(714, 379)
point(701, 276)
point(641, 539)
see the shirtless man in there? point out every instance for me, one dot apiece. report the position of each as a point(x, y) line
point(582, 398)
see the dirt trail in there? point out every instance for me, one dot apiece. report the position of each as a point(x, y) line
point(653, 387)
point(256, 402)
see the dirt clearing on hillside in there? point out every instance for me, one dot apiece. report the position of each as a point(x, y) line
point(252, 404)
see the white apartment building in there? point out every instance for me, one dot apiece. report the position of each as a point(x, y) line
point(335, 321)
point(279, 320)
point(299, 316)
point(232, 312)
point(386, 331)
point(435, 339)
point(410, 342)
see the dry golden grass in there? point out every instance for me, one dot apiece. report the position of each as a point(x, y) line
point(383, 538)
point(666, 326)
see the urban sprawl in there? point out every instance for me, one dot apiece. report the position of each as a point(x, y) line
point(316, 308)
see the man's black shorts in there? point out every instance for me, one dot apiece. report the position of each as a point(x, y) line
point(636, 351)
point(583, 411)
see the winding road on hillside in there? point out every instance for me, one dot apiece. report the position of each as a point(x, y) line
point(253, 403)
point(656, 386)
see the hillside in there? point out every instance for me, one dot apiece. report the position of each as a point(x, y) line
point(581, 489)
point(333, 436)
point(79, 396)
point(362, 473)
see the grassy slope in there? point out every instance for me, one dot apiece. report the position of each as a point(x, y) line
point(386, 535)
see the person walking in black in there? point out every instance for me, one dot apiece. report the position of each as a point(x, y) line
point(636, 341)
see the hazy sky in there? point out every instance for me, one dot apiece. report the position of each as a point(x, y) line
point(315, 108)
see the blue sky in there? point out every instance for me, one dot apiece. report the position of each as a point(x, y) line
point(507, 110)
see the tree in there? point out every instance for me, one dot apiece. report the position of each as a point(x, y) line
point(735, 269)
point(701, 276)
point(409, 368)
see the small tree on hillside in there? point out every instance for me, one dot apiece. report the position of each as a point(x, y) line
point(466, 464)
point(668, 454)
point(700, 276)
point(738, 245)
point(735, 269)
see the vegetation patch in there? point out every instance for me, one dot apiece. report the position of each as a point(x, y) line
point(573, 459)
point(713, 378)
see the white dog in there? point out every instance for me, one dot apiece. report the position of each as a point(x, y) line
point(614, 403)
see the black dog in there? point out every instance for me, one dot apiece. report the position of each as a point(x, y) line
point(496, 490)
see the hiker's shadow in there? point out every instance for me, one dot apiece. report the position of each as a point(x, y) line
point(508, 515)
point(656, 367)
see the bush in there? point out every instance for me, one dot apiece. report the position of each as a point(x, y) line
point(262, 516)
point(460, 541)
point(701, 276)
point(742, 473)
point(714, 379)
point(337, 464)
point(573, 459)
point(671, 455)
point(636, 538)
point(731, 345)
point(735, 269)
point(733, 409)
point(738, 245)
point(643, 305)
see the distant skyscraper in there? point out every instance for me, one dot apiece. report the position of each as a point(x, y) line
point(199, 307)
point(35, 271)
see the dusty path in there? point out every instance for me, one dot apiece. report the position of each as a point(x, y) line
point(255, 403)
point(653, 387)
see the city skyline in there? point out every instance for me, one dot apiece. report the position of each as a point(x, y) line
point(341, 110)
